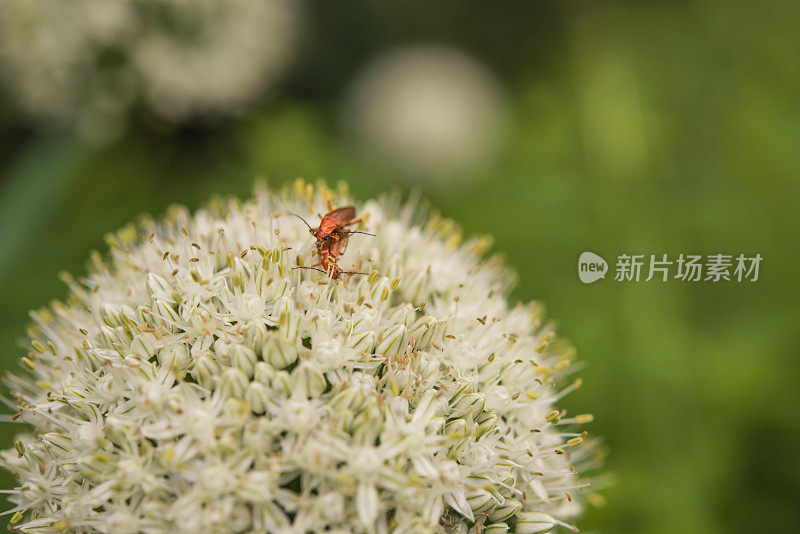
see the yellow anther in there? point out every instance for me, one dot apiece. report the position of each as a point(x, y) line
point(531, 395)
point(384, 294)
point(43, 385)
point(298, 260)
point(584, 418)
point(574, 442)
point(20, 447)
point(45, 316)
point(229, 260)
point(395, 282)
point(372, 277)
point(37, 346)
point(27, 362)
point(578, 383)
point(481, 245)
point(454, 240)
point(553, 417)
point(299, 186)
point(561, 365)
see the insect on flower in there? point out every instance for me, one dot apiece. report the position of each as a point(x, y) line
point(333, 225)
point(331, 236)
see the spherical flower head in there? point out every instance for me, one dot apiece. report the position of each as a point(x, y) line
point(90, 62)
point(198, 381)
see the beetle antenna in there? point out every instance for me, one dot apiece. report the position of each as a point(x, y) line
point(312, 268)
point(354, 272)
point(302, 219)
point(359, 232)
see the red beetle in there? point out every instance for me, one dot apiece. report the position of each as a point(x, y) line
point(332, 227)
point(331, 236)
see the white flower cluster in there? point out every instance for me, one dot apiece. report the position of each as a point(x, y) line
point(88, 61)
point(197, 382)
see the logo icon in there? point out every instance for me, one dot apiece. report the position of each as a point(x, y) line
point(591, 267)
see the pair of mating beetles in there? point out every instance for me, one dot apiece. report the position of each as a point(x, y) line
point(331, 236)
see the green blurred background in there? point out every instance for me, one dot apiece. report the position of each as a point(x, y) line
point(633, 127)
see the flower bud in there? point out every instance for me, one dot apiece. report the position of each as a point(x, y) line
point(309, 380)
point(423, 331)
point(257, 395)
point(469, 404)
point(244, 358)
point(263, 372)
point(94, 466)
point(175, 355)
point(163, 311)
point(361, 341)
point(204, 371)
point(110, 313)
point(278, 352)
point(505, 511)
point(143, 346)
point(486, 421)
point(455, 429)
point(480, 500)
point(536, 522)
point(159, 288)
point(392, 341)
point(61, 443)
point(282, 383)
point(233, 382)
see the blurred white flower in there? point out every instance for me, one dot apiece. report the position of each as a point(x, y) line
point(195, 382)
point(432, 111)
point(89, 61)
